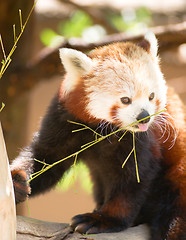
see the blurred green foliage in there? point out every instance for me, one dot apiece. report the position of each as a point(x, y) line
point(47, 36)
point(132, 20)
point(143, 15)
point(75, 25)
point(79, 173)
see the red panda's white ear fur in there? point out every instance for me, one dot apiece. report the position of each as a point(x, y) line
point(76, 65)
point(150, 37)
point(75, 61)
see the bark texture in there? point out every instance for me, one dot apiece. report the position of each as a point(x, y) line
point(32, 229)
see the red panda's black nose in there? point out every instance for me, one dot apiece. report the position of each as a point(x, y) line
point(142, 115)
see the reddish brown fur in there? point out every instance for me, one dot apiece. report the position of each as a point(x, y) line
point(140, 93)
point(115, 51)
point(158, 103)
point(117, 207)
point(78, 95)
point(174, 230)
point(175, 156)
point(113, 114)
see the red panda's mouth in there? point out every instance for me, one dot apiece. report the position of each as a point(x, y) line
point(143, 127)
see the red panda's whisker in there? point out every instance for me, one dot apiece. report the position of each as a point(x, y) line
point(168, 134)
point(162, 122)
point(170, 124)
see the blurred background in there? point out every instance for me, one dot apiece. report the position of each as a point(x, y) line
point(35, 73)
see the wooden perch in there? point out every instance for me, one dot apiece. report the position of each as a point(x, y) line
point(7, 202)
point(32, 229)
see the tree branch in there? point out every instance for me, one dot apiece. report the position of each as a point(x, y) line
point(170, 36)
point(96, 15)
point(47, 62)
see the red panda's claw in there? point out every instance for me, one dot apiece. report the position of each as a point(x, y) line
point(92, 223)
point(21, 187)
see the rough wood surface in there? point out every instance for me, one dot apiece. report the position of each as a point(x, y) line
point(32, 229)
point(7, 203)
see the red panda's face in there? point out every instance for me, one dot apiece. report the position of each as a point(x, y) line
point(126, 92)
point(122, 84)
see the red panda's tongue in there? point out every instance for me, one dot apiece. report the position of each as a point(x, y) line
point(143, 127)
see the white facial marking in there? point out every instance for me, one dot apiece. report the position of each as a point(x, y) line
point(99, 106)
point(128, 115)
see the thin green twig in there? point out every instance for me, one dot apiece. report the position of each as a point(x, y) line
point(135, 158)
point(2, 47)
point(84, 147)
point(20, 19)
point(7, 60)
point(74, 169)
point(127, 158)
point(84, 128)
point(14, 32)
point(3, 105)
point(42, 162)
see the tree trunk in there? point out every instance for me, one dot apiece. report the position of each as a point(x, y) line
point(9, 15)
point(13, 116)
point(7, 200)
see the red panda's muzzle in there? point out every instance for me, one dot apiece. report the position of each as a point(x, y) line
point(143, 119)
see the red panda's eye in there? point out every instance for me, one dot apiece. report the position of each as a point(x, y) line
point(151, 97)
point(126, 100)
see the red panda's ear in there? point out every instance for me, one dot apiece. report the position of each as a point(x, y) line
point(150, 44)
point(76, 65)
point(75, 62)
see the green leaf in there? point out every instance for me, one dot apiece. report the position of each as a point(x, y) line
point(118, 22)
point(143, 15)
point(79, 172)
point(47, 36)
point(75, 26)
point(131, 20)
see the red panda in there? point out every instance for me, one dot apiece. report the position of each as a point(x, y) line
point(112, 87)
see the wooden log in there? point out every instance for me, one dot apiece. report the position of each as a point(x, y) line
point(32, 229)
point(7, 200)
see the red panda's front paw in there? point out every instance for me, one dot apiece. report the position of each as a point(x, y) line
point(91, 223)
point(21, 187)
